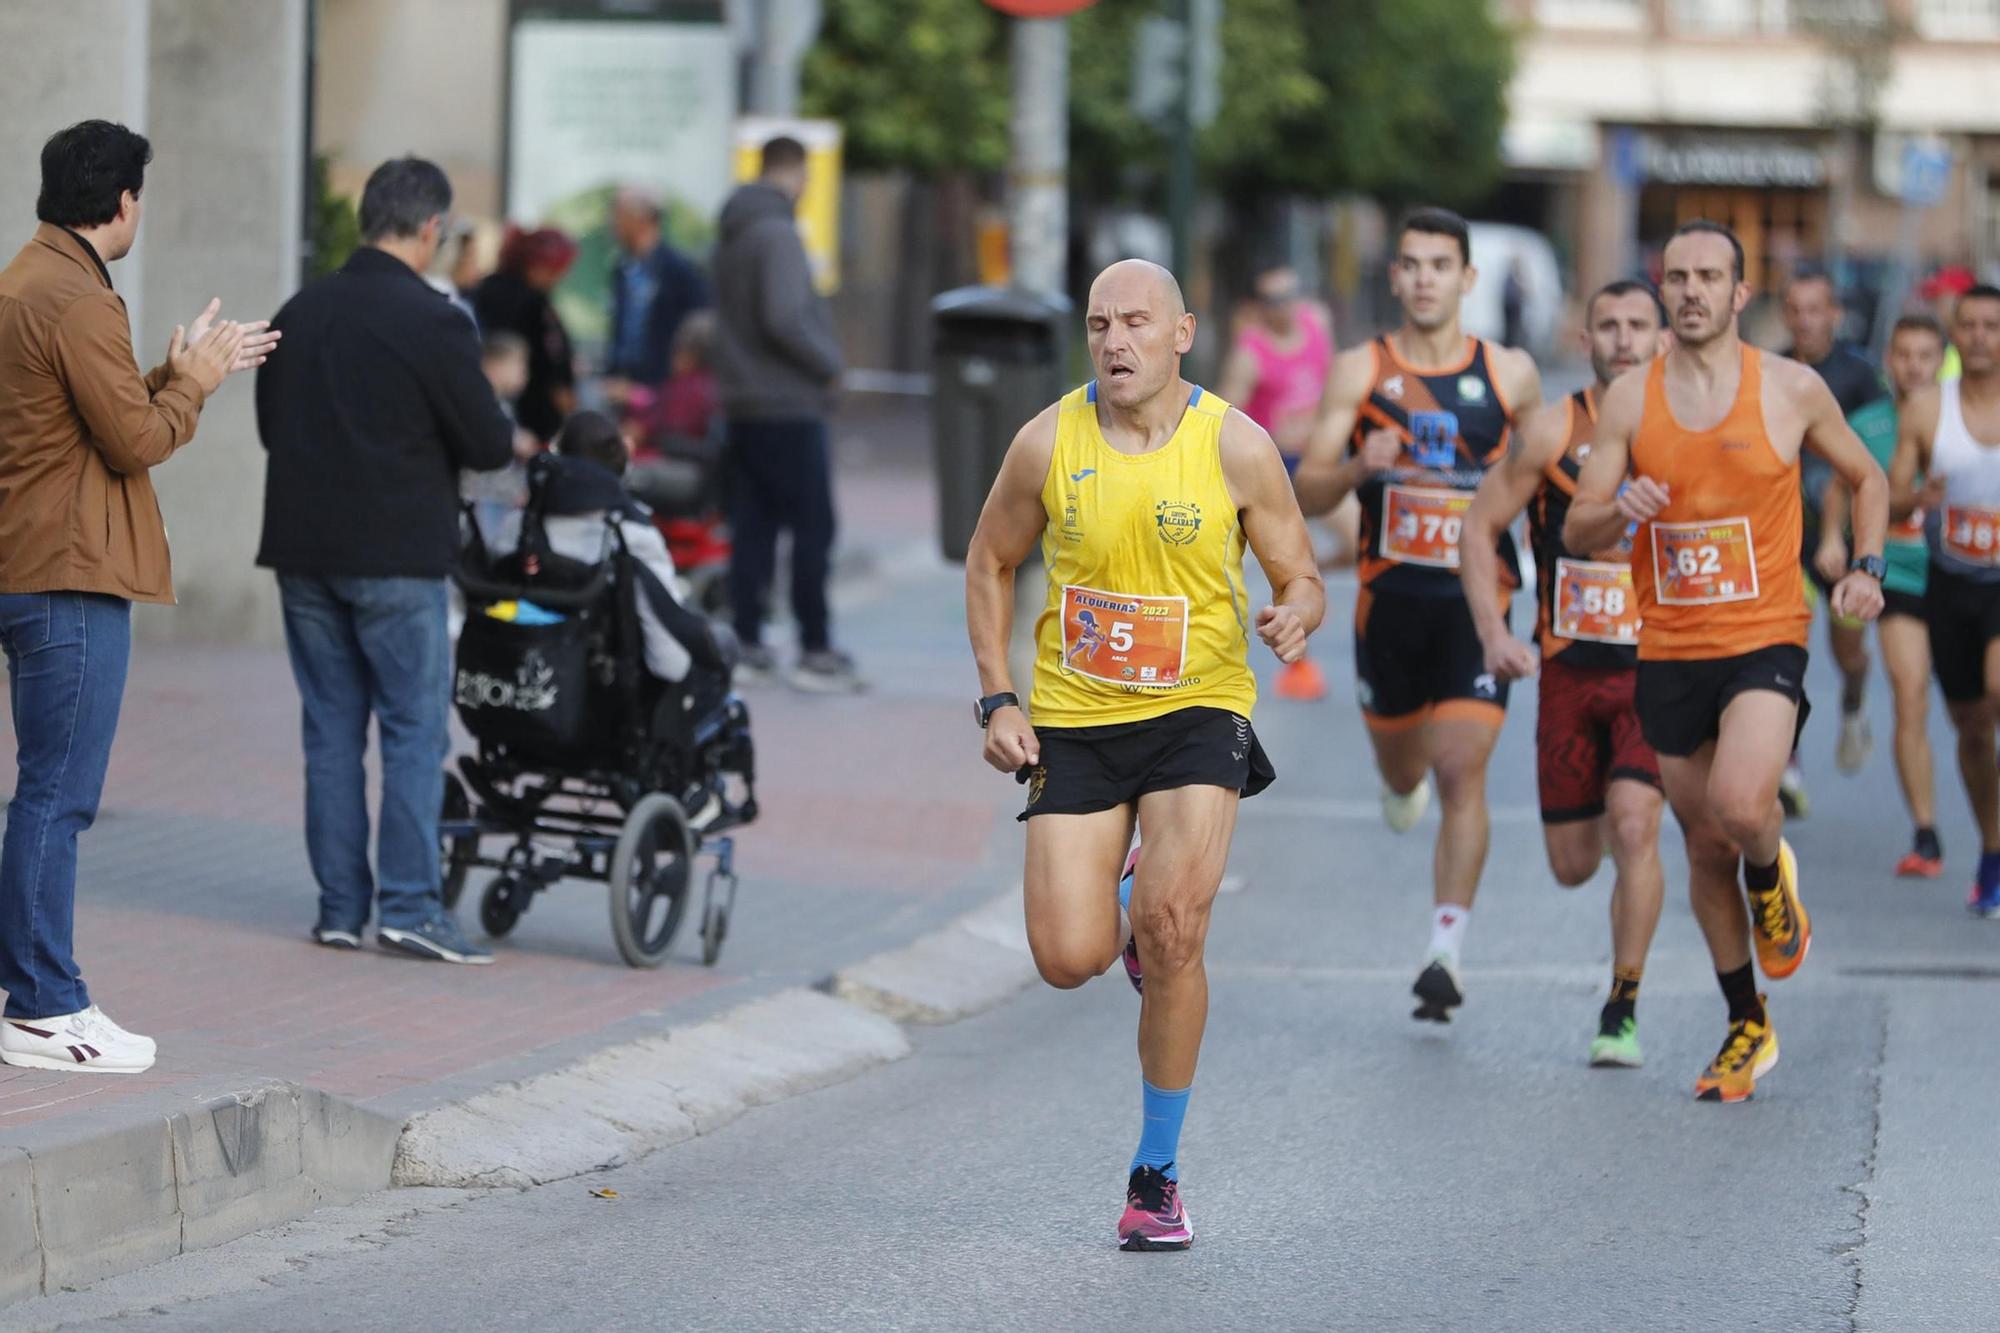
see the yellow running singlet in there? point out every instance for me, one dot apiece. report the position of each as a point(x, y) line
point(1146, 609)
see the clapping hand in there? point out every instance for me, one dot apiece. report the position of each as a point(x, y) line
point(259, 338)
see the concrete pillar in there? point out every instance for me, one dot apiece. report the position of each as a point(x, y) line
point(224, 197)
point(60, 64)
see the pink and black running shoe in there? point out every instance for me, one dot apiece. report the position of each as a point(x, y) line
point(1154, 1218)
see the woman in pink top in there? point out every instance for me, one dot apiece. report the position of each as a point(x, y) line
point(1276, 373)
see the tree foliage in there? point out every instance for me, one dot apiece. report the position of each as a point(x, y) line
point(1400, 99)
point(919, 85)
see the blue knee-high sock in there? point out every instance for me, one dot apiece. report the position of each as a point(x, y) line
point(1989, 869)
point(1160, 1135)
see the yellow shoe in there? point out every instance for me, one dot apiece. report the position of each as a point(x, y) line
point(1748, 1053)
point(1778, 920)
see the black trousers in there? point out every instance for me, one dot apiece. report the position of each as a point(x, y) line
point(780, 480)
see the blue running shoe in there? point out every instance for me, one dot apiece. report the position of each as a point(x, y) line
point(438, 939)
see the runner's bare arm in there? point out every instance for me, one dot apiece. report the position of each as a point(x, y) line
point(1834, 507)
point(1520, 383)
point(1916, 427)
point(1599, 513)
point(1828, 435)
point(1009, 526)
point(1276, 532)
point(1327, 474)
point(1856, 595)
point(1540, 435)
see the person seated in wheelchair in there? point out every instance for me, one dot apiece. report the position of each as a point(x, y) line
point(581, 498)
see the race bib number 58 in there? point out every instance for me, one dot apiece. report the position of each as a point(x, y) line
point(1595, 602)
point(1700, 564)
point(1124, 639)
point(1420, 524)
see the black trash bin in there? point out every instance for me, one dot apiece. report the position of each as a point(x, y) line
point(997, 359)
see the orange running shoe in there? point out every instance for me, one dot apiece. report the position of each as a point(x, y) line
point(1915, 865)
point(1779, 924)
point(1748, 1053)
point(1302, 680)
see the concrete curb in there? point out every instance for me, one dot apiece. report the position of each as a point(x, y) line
point(623, 1103)
point(82, 1211)
point(975, 963)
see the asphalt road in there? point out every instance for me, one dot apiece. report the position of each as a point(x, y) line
point(1345, 1167)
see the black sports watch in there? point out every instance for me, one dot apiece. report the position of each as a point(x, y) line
point(984, 709)
point(1874, 566)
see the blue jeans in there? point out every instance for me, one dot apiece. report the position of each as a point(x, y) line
point(66, 659)
point(379, 646)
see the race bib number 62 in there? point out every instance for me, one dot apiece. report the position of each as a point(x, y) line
point(1701, 564)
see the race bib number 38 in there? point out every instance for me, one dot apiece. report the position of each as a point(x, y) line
point(1595, 602)
point(1420, 524)
point(1700, 564)
point(1124, 639)
point(1972, 534)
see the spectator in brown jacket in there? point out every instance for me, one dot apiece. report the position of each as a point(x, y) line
point(81, 539)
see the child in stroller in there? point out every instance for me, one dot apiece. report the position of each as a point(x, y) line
point(588, 683)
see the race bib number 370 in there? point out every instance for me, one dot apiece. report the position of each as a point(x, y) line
point(1595, 603)
point(1124, 639)
point(1420, 524)
point(1701, 564)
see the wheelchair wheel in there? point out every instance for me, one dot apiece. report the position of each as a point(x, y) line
point(650, 872)
point(501, 905)
point(455, 853)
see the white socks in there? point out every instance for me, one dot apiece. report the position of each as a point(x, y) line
point(1448, 930)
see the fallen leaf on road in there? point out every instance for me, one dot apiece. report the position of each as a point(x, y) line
point(604, 1194)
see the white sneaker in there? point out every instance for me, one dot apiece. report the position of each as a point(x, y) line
point(1857, 742)
point(1401, 812)
point(84, 1042)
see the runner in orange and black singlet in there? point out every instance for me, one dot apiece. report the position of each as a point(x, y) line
point(1599, 780)
point(1411, 424)
point(1415, 650)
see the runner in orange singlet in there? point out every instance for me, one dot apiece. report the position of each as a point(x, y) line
point(1710, 435)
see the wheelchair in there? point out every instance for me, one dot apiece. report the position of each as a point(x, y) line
point(587, 767)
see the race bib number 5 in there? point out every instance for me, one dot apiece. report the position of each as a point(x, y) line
point(1701, 564)
point(1124, 639)
point(1595, 602)
point(1420, 524)
point(1972, 534)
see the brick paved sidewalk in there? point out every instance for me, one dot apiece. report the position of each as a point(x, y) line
point(879, 822)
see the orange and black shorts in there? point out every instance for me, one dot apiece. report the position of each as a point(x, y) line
point(1419, 657)
point(1587, 736)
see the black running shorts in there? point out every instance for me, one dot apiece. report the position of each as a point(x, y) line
point(1087, 769)
point(1418, 657)
point(1681, 703)
point(1964, 617)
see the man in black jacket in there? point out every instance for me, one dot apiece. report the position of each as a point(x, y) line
point(367, 429)
point(777, 364)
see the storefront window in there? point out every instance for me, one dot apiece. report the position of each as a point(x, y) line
point(1608, 15)
point(1958, 20)
point(1729, 18)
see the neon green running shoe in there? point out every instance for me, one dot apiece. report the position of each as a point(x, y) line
point(1617, 1050)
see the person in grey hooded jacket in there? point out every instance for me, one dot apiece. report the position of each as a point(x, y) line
point(777, 364)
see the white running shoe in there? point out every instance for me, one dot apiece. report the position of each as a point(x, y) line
point(1857, 742)
point(84, 1042)
point(1401, 813)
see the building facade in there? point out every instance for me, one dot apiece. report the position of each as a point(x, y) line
point(1800, 123)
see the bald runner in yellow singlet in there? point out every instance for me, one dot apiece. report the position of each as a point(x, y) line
point(1144, 492)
